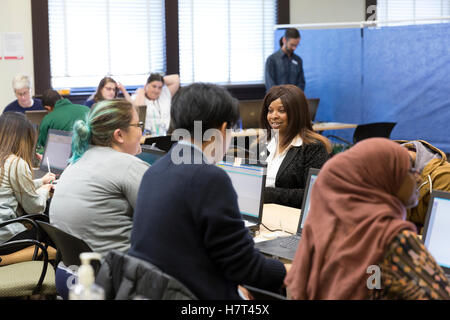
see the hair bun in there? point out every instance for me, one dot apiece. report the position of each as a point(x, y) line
point(81, 128)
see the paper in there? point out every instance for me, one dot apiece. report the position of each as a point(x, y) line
point(13, 45)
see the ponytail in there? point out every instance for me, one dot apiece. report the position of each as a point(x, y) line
point(80, 140)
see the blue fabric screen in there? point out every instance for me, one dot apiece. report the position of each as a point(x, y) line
point(398, 74)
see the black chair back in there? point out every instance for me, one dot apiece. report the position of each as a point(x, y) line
point(371, 130)
point(67, 245)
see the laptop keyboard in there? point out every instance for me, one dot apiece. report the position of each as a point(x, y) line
point(290, 242)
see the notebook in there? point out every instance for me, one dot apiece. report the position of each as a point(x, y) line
point(57, 152)
point(436, 235)
point(313, 105)
point(285, 247)
point(150, 154)
point(248, 180)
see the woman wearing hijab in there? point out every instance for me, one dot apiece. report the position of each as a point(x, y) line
point(356, 225)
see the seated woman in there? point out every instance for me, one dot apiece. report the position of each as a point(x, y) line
point(19, 193)
point(187, 220)
point(157, 96)
point(293, 147)
point(22, 89)
point(96, 194)
point(356, 243)
point(107, 89)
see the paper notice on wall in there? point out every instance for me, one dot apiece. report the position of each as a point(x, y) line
point(13, 45)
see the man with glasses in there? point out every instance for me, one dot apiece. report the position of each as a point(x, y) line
point(432, 172)
point(284, 66)
point(22, 88)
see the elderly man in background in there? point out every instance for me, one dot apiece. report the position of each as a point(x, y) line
point(22, 88)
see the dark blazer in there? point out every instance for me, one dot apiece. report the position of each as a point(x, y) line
point(293, 172)
point(188, 224)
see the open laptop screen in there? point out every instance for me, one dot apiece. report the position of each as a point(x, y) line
point(57, 150)
point(306, 201)
point(150, 155)
point(248, 182)
point(436, 232)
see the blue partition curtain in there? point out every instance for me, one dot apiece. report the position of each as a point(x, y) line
point(396, 74)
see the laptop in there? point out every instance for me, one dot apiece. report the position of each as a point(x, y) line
point(248, 180)
point(313, 105)
point(36, 116)
point(161, 142)
point(436, 235)
point(150, 154)
point(285, 247)
point(57, 152)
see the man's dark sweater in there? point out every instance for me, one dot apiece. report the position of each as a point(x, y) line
point(187, 223)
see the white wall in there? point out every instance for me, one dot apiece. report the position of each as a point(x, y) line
point(15, 16)
point(318, 11)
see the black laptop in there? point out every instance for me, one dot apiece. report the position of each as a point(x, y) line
point(150, 154)
point(285, 247)
point(248, 179)
point(436, 232)
point(313, 105)
point(57, 152)
point(161, 142)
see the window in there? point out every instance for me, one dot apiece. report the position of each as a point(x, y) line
point(90, 39)
point(225, 41)
point(411, 10)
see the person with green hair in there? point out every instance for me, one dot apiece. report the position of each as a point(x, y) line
point(96, 194)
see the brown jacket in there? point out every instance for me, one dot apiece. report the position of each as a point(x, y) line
point(438, 171)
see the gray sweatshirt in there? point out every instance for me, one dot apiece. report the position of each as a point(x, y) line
point(95, 197)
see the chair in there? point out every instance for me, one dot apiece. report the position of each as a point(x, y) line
point(24, 279)
point(260, 294)
point(124, 277)
point(368, 130)
point(68, 246)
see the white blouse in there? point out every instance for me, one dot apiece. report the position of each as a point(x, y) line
point(274, 161)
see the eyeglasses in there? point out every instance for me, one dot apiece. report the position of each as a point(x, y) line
point(140, 124)
point(23, 94)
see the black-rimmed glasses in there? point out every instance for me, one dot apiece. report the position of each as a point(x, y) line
point(140, 124)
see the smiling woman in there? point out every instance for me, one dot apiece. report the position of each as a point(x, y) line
point(293, 147)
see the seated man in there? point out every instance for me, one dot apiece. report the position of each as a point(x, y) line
point(22, 89)
point(62, 114)
point(434, 174)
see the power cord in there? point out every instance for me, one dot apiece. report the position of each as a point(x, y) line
point(275, 230)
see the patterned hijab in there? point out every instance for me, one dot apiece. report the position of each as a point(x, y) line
point(354, 215)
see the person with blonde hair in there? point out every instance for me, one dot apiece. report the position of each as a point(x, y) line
point(19, 193)
point(21, 84)
point(293, 145)
point(96, 194)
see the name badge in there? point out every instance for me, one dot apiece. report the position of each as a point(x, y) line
point(294, 62)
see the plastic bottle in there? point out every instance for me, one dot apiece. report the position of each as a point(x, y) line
point(86, 289)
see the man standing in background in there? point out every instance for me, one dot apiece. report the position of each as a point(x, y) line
point(284, 66)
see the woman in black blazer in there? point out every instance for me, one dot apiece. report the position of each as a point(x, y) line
point(293, 145)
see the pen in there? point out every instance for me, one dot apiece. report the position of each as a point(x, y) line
point(48, 165)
